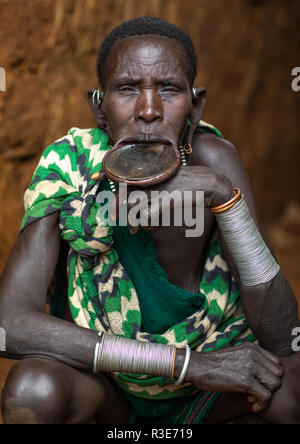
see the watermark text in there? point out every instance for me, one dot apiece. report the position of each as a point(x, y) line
point(296, 81)
point(296, 341)
point(2, 340)
point(153, 209)
point(2, 79)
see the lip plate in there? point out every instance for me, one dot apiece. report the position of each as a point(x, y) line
point(163, 177)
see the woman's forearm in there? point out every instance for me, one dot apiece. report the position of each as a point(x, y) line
point(268, 300)
point(272, 313)
point(38, 334)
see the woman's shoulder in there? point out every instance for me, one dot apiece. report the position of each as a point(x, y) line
point(212, 150)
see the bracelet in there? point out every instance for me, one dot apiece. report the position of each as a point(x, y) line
point(253, 259)
point(185, 366)
point(173, 365)
point(227, 205)
point(97, 351)
point(119, 354)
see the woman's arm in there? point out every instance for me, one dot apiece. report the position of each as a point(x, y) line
point(271, 308)
point(23, 290)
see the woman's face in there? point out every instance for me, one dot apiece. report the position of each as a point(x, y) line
point(147, 93)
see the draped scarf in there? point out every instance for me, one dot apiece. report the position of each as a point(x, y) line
point(100, 293)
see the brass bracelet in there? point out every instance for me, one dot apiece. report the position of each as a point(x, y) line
point(227, 205)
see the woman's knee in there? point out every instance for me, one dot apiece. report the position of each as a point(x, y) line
point(35, 392)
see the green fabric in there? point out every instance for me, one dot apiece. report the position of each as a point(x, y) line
point(58, 298)
point(189, 410)
point(162, 304)
point(101, 293)
point(149, 321)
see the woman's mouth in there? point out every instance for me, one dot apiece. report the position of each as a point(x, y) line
point(145, 138)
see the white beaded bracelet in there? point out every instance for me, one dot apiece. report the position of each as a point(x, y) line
point(185, 366)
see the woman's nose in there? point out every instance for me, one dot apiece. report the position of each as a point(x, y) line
point(148, 106)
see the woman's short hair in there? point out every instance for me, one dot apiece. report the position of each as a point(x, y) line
point(148, 26)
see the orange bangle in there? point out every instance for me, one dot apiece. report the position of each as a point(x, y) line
point(188, 149)
point(227, 205)
point(173, 365)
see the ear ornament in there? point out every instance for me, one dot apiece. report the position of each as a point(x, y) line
point(96, 98)
point(188, 149)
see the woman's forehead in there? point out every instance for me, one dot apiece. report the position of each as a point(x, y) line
point(144, 54)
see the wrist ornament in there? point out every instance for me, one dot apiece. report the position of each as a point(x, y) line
point(255, 263)
point(227, 205)
point(185, 367)
point(119, 354)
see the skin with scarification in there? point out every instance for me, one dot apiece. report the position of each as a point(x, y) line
point(146, 93)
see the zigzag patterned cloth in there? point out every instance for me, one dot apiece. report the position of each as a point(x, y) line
point(101, 294)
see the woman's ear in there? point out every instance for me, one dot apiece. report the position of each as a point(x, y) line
point(199, 101)
point(95, 98)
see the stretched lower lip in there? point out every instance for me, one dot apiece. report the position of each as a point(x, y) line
point(144, 143)
point(144, 140)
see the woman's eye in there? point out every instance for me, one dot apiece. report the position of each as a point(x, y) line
point(127, 88)
point(169, 90)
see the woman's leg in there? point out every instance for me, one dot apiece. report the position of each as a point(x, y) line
point(45, 391)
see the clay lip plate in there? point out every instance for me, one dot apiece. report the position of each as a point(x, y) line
point(141, 162)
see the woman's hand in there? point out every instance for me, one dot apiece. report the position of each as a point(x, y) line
point(246, 369)
point(216, 187)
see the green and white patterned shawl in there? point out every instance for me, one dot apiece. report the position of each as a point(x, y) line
point(101, 295)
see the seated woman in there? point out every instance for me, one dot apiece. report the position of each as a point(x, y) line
point(159, 327)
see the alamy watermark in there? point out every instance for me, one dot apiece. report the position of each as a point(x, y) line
point(296, 341)
point(2, 340)
point(2, 79)
point(296, 80)
point(155, 208)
